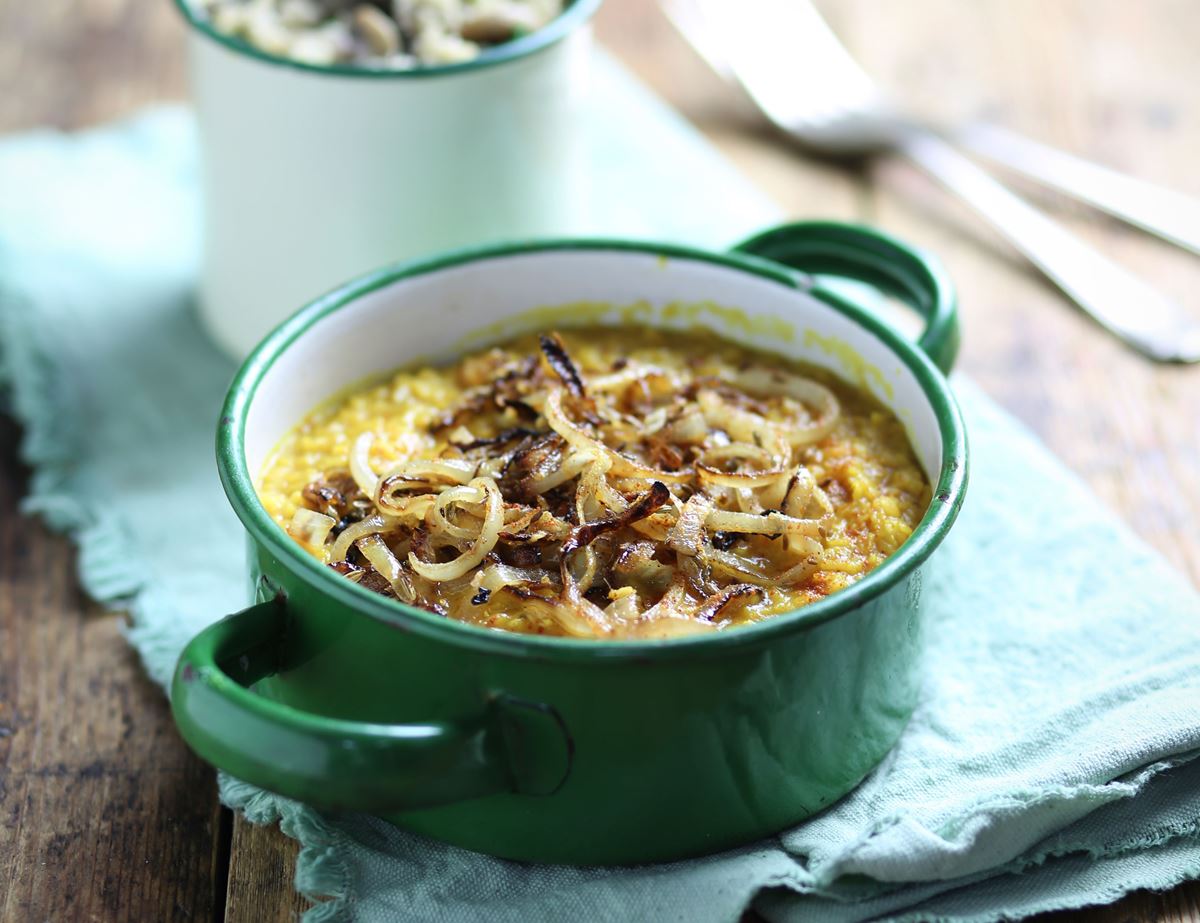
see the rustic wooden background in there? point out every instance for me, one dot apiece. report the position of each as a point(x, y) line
point(104, 815)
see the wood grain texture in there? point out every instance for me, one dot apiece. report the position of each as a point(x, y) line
point(261, 868)
point(103, 813)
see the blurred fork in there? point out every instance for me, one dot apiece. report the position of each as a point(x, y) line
point(799, 74)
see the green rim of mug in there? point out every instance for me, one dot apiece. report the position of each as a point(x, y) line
point(575, 15)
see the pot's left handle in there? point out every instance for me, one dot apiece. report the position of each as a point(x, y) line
point(509, 745)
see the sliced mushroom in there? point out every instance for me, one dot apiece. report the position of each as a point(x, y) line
point(377, 29)
point(301, 14)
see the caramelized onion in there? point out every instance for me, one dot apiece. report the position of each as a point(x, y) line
point(741, 425)
point(800, 572)
point(351, 534)
point(430, 471)
point(712, 607)
point(310, 527)
point(553, 511)
point(689, 429)
point(586, 533)
point(376, 551)
point(624, 606)
point(749, 501)
point(590, 479)
point(360, 464)
point(571, 467)
point(440, 522)
point(489, 534)
point(804, 498)
point(769, 523)
point(494, 577)
point(625, 377)
point(635, 562)
point(534, 459)
point(710, 472)
point(402, 506)
point(738, 451)
point(578, 438)
point(778, 383)
point(579, 619)
point(687, 535)
point(654, 421)
point(736, 566)
point(607, 495)
point(671, 617)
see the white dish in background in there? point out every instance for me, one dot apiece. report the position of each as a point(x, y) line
point(313, 174)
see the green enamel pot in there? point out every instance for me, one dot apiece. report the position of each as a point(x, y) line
point(563, 750)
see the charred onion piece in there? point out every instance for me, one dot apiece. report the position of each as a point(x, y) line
point(583, 441)
point(583, 535)
point(723, 541)
point(334, 495)
point(558, 359)
point(536, 457)
point(712, 606)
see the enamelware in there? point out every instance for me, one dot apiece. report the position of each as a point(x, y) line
point(555, 749)
point(314, 174)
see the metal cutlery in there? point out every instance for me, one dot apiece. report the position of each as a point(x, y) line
point(1165, 213)
point(798, 73)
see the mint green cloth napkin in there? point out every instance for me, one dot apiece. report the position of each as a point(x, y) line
point(1049, 763)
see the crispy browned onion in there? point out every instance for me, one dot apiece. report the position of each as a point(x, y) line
point(624, 506)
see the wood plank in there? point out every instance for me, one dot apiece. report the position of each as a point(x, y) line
point(71, 63)
point(641, 37)
point(104, 814)
point(1115, 421)
point(261, 869)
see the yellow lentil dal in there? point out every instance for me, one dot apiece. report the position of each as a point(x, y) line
point(865, 464)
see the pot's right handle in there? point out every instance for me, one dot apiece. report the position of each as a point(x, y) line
point(866, 255)
point(508, 745)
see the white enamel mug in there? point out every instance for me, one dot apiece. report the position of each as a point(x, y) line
point(314, 174)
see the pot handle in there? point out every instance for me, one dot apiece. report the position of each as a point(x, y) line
point(866, 255)
point(510, 745)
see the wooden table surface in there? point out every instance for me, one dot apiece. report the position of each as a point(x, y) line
point(104, 815)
